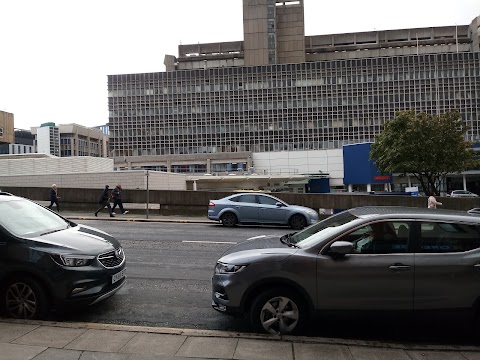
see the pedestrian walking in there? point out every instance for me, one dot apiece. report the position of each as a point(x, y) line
point(54, 198)
point(105, 202)
point(117, 199)
point(432, 202)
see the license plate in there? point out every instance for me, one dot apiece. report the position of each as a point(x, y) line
point(118, 276)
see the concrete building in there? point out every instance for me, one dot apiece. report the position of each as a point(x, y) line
point(23, 143)
point(70, 140)
point(278, 95)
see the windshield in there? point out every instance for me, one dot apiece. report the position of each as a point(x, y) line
point(25, 218)
point(321, 228)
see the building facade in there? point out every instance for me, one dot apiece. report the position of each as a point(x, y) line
point(23, 143)
point(6, 128)
point(70, 140)
point(221, 106)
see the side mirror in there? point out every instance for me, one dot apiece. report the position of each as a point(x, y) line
point(341, 248)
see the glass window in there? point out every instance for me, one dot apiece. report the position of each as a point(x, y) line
point(267, 200)
point(448, 237)
point(25, 218)
point(248, 198)
point(387, 237)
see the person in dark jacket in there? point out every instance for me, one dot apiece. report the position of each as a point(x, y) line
point(105, 201)
point(54, 198)
point(117, 199)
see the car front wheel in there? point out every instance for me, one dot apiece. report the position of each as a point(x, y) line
point(278, 311)
point(24, 298)
point(229, 219)
point(297, 222)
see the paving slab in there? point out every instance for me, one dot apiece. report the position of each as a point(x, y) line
point(471, 355)
point(48, 336)
point(58, 354)
point(10, 332)
point(321, 352)
point(161, 357)
point(19, 352)
point(208, 347)
point(435, 355)
point(248, 349)
point(154, 344)
point(368, 353)
point(101, 340)
point(87, 355)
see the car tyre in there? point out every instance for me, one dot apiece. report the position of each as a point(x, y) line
point(278, 311)
point(24, 298)
point(229, 219)
point(297, 222)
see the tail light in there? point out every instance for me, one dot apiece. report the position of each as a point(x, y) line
point(211, 203)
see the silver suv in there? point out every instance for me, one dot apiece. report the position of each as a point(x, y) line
point(380, 259)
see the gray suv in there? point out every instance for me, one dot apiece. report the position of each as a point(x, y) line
point(376, 259)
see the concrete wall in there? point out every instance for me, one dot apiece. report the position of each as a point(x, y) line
point(97, 180)
point(290, 33)
point(52, 165)
point(255, 27)
point(196, 202)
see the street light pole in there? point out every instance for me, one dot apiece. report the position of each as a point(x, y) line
point(148, 196)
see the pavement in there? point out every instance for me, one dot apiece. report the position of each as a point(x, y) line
point(47, 340)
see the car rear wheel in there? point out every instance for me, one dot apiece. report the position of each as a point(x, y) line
point(24, 298)
point(278, 311)
point(297, 222)
point(229, 219)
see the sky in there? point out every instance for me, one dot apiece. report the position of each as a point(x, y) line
point(55, 55)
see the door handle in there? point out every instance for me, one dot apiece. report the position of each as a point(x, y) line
point(477, 266)
point(399, 267)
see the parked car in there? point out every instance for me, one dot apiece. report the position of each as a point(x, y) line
point(47, 261)
point(462, 193)
point(254, 208)
point(375, 260)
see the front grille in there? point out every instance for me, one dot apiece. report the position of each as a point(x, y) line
point(112, 259)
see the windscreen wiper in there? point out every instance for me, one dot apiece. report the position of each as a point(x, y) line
point(52, 231)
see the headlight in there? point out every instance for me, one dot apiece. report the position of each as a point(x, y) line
point(72, 260)
point(222, 268)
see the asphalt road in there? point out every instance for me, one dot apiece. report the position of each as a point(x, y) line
point(169, 269)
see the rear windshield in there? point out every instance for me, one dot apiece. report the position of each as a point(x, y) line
point(25, 218)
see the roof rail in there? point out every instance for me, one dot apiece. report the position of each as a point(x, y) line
point(5, 193)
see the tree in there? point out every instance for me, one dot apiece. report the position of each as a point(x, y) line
point(425, 146)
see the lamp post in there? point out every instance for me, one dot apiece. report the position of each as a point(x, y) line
point(148, 196)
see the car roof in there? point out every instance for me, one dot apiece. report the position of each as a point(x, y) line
point(250, 193)
point(5, 196)
point(404, 212)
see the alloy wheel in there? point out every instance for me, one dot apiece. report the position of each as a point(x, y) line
point(279, 315)
point(21, 301)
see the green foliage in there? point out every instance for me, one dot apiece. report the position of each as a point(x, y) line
point(425, 146)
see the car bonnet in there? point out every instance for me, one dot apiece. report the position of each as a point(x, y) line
point(80, 239)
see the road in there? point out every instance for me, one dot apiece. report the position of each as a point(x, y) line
point(169, 267)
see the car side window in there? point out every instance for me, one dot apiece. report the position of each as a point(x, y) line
point(387, 237)
point(235, 199)
point(249, 198)
point(267, 200)
point(437, 237)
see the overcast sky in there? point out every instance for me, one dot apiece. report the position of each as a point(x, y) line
point(55, 55)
